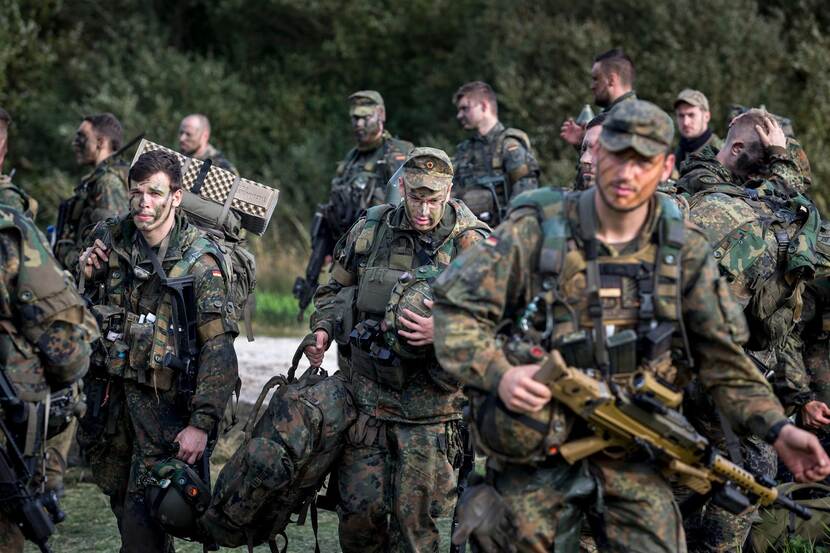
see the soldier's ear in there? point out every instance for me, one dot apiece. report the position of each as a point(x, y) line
point(668, 166)
point(177, 197)
point(401, 187)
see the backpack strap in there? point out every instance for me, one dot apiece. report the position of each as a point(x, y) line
point(549, 205)
point(366, 238)
point(498, 151)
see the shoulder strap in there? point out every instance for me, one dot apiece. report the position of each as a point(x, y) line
point(550, 210)
point(498, 153)
point(366, 238)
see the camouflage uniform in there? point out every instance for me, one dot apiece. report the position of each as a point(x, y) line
point(505, 158)
point(101, 194)
point(45, 331)
point(218, 159)
point(138, 412)
point(540, 252)
point(396, 475)
point(361, 178)
point(13, 196)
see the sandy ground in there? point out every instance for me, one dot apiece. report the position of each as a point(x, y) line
point(265, 357)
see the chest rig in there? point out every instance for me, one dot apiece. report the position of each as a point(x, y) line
point(614, 314)
point(383, 257)
point(143, 335)
point(482, 181)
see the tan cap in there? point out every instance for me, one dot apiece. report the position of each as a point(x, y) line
point(364, 102)
point(427, 168)
point(693, 98)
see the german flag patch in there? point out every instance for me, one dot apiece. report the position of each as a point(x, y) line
point(491, 241)
point(216, 273)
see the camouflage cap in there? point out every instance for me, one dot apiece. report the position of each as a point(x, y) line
point(364, 102)
point(427, 168)
point(693, 98)
point(639, 125)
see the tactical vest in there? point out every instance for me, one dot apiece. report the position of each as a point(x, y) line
point(136, 344)
point(613, 314)
point(383, 256)
point(487, 189)
point(43, 291)
point(771, 252)
point(353, 188)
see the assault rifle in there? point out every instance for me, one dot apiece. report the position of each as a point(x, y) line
point(322, 245)
point(35, 513)
point(642, 415)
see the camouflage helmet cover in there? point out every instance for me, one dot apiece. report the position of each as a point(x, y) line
point(427, 168)
point(364, 102)
point(639, 125)
point(410, 292)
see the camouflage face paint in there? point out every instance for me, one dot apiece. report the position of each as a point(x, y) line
point(367, 129)
point(626, 180)
point(151, 202)
point(425, 207)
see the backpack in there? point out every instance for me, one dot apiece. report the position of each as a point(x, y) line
point(778, 525)
point(225, 229)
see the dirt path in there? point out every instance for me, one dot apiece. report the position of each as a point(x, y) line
point(266, 357)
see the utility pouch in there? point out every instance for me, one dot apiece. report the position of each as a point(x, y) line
point(481, 201)
point(577, 349)
point(375, 289)
point(622, 352)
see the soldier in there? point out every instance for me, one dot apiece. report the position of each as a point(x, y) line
point(586, 175)
point(612, 82)
point(10, 194)
point(691, 110)
point(194, 141)
point(45, 332)
point(101, 194)
point(558, 268)
point(763, 242)
point(361, 178)
point(396, 474)
point(496, 163)
point(161, 292)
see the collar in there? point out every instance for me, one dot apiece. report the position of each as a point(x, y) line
point(494, 133)
point(691, 145)
point(647, 233)
point(181, 236)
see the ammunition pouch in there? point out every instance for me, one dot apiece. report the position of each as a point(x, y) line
point(375, 289)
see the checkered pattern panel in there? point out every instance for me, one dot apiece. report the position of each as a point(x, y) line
point(254, 201)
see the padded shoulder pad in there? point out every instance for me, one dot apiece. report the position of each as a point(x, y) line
point(519, 135)
point(547, 201)
point(374, 215)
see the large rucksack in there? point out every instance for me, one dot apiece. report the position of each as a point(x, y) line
point(284, 459)
point(225, 228)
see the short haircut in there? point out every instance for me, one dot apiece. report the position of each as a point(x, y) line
point(743, 125)
point(478, 90)
point(204, 122)
point(108, 126)
point(617, 61)
point(5, 118)
point(157, 161)
point(597, 121)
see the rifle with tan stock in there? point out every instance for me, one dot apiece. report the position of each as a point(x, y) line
point(642, 414)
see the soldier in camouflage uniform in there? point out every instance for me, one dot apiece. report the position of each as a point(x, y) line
point(396, 475)
point(194, 141)
point(101, 194)
point(764, 243)
point(612, 82)
point(586, 174)
point(10, 194)
point(144, 407)
point(45, 335)
point(573, 272)
point(360, 179)
point(691, 110)
point(496, 163)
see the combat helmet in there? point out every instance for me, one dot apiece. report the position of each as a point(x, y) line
point(176, 497)
point(410, 292)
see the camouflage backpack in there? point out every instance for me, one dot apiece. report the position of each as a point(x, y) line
point(284, 459)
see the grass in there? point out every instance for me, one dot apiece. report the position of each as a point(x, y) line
point(90, 527)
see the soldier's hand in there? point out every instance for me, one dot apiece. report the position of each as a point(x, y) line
point(571, 132)
point(94, 257)
point(771, 133)
point(815, 414)
point(192, 442)
point(802, 453)
point(317, 352)
point(421, 329)
point(520, 392)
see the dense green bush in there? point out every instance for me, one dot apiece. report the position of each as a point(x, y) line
point(273, 75)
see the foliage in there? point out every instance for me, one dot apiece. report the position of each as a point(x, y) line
point(273, 76)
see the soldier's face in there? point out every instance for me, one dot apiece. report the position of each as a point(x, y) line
point(192, 137)
point(152, 203)
point(626, 180)
point(599, 86)
point(470, 112)
point(424, 207)
point(367, 129)
point(85, 144)
point(691, 120)
point(587, 159)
